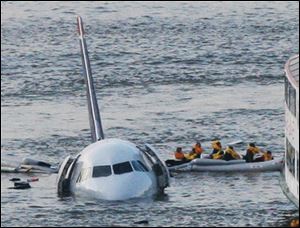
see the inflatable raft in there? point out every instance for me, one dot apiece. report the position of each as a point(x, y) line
point(211, 165)
point(27, 169)
point(28, 165)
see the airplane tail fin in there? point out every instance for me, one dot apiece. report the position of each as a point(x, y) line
point(94, 114)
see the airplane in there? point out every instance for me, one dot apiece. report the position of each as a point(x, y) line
point(109, 168)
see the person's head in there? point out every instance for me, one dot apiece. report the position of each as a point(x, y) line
point(216, 145)
point(179, 149)
point(269, 152)
point(230, 147)
point(252, 144)
point(193, 150)
point(198, 144)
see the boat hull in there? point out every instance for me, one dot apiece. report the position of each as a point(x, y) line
point(273, 165)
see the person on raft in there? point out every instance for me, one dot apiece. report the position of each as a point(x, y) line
point(251, 151)
point(198, 149)
point(230, 154)
point(196, 152)
point(192, 155)
point(178, 154)
point(180, 158)
point(217, 151)
point(267, 156)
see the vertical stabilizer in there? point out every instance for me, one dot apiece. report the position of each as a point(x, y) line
point(94, 114)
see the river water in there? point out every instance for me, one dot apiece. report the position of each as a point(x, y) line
point(166, 73)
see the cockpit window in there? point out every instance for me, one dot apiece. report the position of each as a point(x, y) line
point(139, 166)
point(102, 171)
point(121, 168)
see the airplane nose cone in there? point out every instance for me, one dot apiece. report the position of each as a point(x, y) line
point(121, 187)
point(129, 187)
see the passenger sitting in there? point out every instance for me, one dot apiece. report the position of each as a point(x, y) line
point(267, 156)
point(179, 158)
point(192, 155)
point(231, 154)
point(198, 149)
point(294, 223)
point(179, 154)
point(217, 152)
point(251, 151)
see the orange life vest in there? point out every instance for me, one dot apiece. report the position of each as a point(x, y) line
point(198, 149)
point(179, 155)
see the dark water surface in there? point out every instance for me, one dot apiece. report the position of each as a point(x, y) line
point(166, 73)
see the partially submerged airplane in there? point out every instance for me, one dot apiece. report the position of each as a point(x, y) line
point(109, 169)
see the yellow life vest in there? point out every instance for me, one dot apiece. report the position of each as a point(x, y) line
point(218, 155)
point(233, 153)
point(253, 150)
point(190, 156)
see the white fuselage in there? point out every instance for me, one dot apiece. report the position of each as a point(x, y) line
point(113, 169)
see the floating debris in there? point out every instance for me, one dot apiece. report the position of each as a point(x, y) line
point(15, 179)
point(21, 185)
point(32, 179)
point(142, 222)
